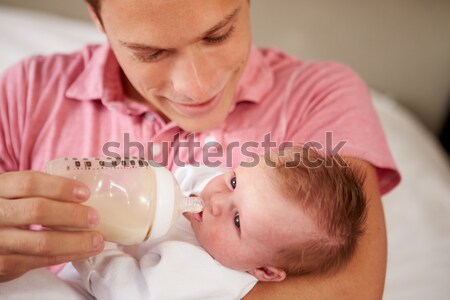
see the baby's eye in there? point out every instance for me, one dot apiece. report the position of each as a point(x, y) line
point(233, 182)
point(237, 221)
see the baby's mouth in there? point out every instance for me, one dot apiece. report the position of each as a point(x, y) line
point(198, 216)
point(194, 216)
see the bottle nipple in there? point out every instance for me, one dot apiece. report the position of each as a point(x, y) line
point(192, 205)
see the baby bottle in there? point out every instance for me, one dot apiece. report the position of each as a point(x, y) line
point(136, 199)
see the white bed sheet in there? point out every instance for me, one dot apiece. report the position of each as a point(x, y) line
point(417, 212)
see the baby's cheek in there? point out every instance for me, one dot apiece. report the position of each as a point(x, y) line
point(223, 244)
point(205, 236)
point(211, 240)
point(212, 186)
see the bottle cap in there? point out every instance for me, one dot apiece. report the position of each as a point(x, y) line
point(165, 202)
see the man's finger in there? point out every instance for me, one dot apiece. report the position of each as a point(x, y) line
point(49, 243)
point(46, 212)
point(12, 266)
point(14, 185)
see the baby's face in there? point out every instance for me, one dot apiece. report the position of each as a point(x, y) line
point(246, 221)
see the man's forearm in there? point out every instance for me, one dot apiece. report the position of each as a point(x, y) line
point(362, 278)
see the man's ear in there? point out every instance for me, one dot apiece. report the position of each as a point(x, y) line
point(95, 19)
point(268, 274)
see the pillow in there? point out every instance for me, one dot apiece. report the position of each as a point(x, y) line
point(418, 210)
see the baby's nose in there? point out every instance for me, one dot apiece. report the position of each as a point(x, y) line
point(219, 205)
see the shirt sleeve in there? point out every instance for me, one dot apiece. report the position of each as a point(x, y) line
point(113, 275)
point(329, 106)
point(13, 93)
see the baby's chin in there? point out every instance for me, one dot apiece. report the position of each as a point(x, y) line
point(187, 215)
point(194, 217)
point(194, 223)
point(197, 229)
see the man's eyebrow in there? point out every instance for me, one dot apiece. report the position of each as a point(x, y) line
point(142, 47)
point(228, 19)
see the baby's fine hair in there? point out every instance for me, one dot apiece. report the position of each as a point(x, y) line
point(332, 194)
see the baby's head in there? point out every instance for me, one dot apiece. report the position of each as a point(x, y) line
point(292, 219)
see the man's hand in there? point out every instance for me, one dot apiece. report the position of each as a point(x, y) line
point(31, 197)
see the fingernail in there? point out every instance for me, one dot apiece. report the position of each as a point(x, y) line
point(81, 192)
point(97, 242)
point(92, 218)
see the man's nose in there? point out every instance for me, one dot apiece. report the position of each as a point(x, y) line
point(194, 77)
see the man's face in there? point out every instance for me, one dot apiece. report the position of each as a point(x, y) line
point(246, 221)
point(183, 57)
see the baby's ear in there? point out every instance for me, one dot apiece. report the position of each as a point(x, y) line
point(268, 274)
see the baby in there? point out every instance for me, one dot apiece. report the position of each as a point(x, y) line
point(294, 213)
point(303, 216)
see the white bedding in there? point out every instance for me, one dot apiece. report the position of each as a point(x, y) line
point(417, 212)
point(24, 33)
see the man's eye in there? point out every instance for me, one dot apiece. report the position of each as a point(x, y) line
point(219, 39)
point(150, 57)
point(233, 182)
point(237, 221)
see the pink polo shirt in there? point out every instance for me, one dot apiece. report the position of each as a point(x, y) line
point(74, 106)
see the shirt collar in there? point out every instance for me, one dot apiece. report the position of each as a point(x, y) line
point(100, 80)
point(257, 79)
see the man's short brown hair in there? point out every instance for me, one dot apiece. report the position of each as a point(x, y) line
point(96, 6)
point(333, 195)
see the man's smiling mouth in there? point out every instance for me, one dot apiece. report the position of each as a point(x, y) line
point(200, 108)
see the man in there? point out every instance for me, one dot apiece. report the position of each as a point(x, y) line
point(173, 68)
